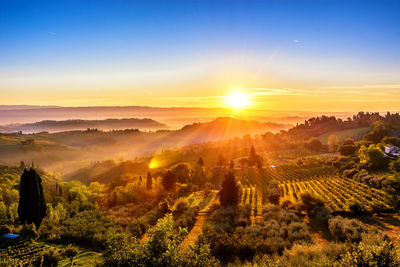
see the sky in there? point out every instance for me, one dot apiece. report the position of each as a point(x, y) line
point(284, 55)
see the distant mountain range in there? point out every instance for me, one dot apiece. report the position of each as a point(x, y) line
point(73, 125)
point(175, 117)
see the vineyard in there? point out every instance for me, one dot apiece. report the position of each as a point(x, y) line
point(338, 193)
point(280, 174)
point(252, 198)
point(23, 252)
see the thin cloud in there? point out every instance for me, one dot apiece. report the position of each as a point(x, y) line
point(51, 33)
point(368, 86)
point(296, 41)
point(283, 91)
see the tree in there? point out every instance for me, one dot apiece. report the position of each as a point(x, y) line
point(347, 150)
point(254, 158)
point(231, 165)
point(149, 182)
point(348, 141)
point(182, 171)
point(311, 203)
point(333, 142)
point(71, 252)
point(31, 207)
point(169, 181)
point(373, 156)
point(378, 132)
point(221, 160)
point(391, 140)
point(314, 144)
point(200, 162)
point(229, 193)
point(51, 257)
point(199, 175)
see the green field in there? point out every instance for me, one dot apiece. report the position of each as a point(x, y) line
point(351, 133)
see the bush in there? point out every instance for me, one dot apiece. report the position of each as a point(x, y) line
point(374, 250)
point(313, 144)
point(29, 232)
point(161, 249)
point(70, 252)
point(347, 150)
point(298, 231)
point(343, 229)
point(51, 257)
point(88, 227)
point(311, 203)
point(357, 207)
point(373, 156)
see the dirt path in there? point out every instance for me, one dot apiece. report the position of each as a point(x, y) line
point(319, 234)
point(197, 229)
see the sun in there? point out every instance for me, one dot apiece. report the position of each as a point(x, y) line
point(238, 100)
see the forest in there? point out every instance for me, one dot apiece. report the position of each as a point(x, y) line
point(292, 198)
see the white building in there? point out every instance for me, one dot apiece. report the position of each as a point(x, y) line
point(392, 151)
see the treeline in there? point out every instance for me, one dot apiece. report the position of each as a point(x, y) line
point(321, 125)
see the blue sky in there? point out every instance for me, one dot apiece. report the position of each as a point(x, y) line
point(152, 51)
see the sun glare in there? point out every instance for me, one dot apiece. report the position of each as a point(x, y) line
point(238, 100)
point(153, 164)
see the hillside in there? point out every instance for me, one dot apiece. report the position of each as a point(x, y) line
point(226, 127)
point(74, 125)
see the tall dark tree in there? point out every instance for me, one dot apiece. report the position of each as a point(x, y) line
point(199, 175)
point(32, 207)
point(231, 165)
point(254, 158)
point(200, 162)
point(169, 181)
point(221, 160)
point(229, 193)
point(149, 182)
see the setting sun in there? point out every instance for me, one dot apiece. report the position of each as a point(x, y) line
point(238, 100)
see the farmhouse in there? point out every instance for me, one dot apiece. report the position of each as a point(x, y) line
point(392, 151)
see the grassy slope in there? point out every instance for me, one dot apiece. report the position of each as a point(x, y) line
point(343, 134)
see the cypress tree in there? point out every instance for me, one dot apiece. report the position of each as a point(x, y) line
point(149, 182)
point(31, 207)
point(229, 193)
point(200, 162)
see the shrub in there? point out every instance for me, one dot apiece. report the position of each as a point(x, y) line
point(70, 252)
point(343, 229)
point(374, 250)
point(29, 232)
point(313, 144)
point(51, 257)
point(311, 203)
point(298, 231)
point(357, 207)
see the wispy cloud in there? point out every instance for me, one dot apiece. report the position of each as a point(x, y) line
point(282, 91)
point(296, 41)
point(51, 33)
point(368, 86)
